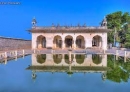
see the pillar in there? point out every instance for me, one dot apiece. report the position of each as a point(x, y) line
point(74, 44)
point(34, 41)
point(63, 43)
point(104, 41)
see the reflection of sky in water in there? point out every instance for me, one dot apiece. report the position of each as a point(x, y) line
point(15, 78)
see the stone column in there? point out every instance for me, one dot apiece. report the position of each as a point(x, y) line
point(34, 43)
point(104, 45)
point(74, 44)
point(63, 43)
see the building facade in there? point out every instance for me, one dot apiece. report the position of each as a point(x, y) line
point(75, 37)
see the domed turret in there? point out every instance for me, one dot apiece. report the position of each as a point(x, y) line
point(34, 22)
point(104, 23)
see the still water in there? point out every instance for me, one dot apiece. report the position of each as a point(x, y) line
point(65, 73)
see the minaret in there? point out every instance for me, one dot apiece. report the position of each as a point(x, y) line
point(104, 23)
point(34, 22)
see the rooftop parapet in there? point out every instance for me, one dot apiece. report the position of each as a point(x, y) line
point(66, 27)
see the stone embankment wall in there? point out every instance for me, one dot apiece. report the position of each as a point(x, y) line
point(14, 43)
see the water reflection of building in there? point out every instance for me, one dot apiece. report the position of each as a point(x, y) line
point(70, 63)
point(65, 59)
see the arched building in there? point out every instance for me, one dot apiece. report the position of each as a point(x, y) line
point(62, 37)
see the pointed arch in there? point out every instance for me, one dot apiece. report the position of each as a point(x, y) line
point(57, 41)
point(41, 41)
point(68, 41)
point(97, 41)
point(80, 41)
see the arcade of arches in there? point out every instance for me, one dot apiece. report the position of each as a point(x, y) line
point(68, 41)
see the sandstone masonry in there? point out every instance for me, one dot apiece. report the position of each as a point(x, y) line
point(14, 43)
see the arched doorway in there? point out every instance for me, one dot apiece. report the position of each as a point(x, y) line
point(41, 42)
point(97, 41)
point(57, 42)
point(68, 41)
point(80, 42)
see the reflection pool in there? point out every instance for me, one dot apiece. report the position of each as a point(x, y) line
point(65, 73)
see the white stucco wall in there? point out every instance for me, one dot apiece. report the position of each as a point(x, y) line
point(87, 37)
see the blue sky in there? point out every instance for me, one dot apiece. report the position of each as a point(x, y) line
point(16, 19)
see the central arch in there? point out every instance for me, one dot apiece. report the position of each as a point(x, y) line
point(80, 42)
point(57, 42)
point(68, 41)
point(41, 42)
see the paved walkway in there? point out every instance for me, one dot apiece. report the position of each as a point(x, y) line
point(19, 53)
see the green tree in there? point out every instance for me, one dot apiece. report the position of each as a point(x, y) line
point(127, 39)
point(117, 21)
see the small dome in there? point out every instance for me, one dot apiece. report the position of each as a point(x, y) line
point(34, 21)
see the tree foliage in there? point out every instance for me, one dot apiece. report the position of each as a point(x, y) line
point(127, 39)
point(118, 22)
